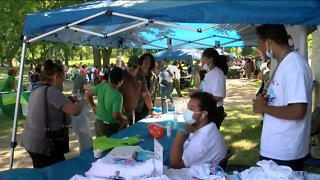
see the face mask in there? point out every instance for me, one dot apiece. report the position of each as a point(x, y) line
point(269, 52)
point(205, 67)
point(187, 115)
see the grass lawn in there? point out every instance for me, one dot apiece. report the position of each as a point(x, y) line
point(241, 130)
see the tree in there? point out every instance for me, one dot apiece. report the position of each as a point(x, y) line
point(12, 15)
point(249, 51)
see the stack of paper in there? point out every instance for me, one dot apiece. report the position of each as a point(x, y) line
point(124, 152)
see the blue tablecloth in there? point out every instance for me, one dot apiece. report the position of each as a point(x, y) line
point(82, 163)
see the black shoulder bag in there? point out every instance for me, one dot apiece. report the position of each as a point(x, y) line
point(57, 141)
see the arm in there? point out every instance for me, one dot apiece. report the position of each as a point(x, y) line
point(89, 96)
point(176, 151)
point(73, 109)
point(121, 118)
point(295, 111)
point(170, 73)
point(147, 99)
point(217, 98)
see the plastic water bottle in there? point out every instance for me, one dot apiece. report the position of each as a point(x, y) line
point(164, 105)
point(168, 127)
point(175, 120)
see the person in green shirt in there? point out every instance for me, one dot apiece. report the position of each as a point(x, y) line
point(109, 117)
point(9, 84)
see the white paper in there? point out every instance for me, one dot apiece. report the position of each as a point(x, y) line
point(158, 158)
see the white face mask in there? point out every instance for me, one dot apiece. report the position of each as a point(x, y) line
point(187, 115)
point(269, 52)
point(205, 67)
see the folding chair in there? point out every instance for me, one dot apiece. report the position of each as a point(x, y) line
point(223, 163)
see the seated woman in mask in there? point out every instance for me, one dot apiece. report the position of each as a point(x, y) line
point(198, 141)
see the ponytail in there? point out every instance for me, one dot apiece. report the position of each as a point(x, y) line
point(222, 63)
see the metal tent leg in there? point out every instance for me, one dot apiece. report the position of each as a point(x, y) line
point(13, 143)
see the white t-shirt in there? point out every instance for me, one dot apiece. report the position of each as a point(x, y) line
point(288, 139)
point(206, 145)
point(264, 67)
point(214, 83)
point(176, 72)
point(164, 74)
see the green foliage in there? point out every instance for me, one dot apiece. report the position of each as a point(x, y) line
point(309, 43)
point(249, 51)
point(12, 14)
point(234, 50)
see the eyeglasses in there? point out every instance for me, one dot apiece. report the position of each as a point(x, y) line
point(134, 66)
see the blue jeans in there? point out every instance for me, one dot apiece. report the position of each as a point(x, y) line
point(166, 91)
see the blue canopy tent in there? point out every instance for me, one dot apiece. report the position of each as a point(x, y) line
point(154, 24)
point(178, 54)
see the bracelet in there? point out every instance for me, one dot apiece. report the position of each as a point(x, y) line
point(183, 131)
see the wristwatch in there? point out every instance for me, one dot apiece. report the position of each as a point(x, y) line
point(151, 110)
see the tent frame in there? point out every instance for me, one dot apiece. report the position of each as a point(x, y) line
point(72, 26)
point(143, 21)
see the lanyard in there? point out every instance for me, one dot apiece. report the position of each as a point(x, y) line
point(284, 54)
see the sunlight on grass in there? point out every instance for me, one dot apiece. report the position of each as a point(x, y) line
point(244, 144)
point(241, 130)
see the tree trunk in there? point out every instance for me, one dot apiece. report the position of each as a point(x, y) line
point(96, 57)
point(106, 55)
point(80, 55)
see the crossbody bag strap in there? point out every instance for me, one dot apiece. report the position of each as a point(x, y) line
point(45, 103)
point(46, 112)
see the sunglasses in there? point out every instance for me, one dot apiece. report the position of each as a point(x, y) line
point(134, 66)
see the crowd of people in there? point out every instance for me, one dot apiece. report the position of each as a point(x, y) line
point(127, 94)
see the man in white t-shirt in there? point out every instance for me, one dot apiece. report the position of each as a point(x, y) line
point(286, 126)
point(176, 78)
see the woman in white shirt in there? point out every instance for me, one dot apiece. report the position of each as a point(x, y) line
point(215, 80)
point(205, 143)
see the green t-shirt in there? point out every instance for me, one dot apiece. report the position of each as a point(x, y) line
point(5, 87)
point(109, 100)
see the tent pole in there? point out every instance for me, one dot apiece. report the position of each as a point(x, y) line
point(299, 36)
point(16, 110)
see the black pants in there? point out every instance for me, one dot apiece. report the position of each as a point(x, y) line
point(103, 129)
point(144, 113)
point(296, 165)
point(220, 115)
point(42, 160)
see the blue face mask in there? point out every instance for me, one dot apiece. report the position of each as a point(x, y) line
point(269, 52)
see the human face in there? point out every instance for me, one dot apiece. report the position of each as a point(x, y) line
point(58, 80)
point(146, 63)
point(133, 69)
point(204, 59)
point(263, 46)
point(194, 105)
point(163, 63)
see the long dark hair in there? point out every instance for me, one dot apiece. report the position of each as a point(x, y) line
point(220, 61)
point(152, 60)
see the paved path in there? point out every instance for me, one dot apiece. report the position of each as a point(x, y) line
point(239, 92)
